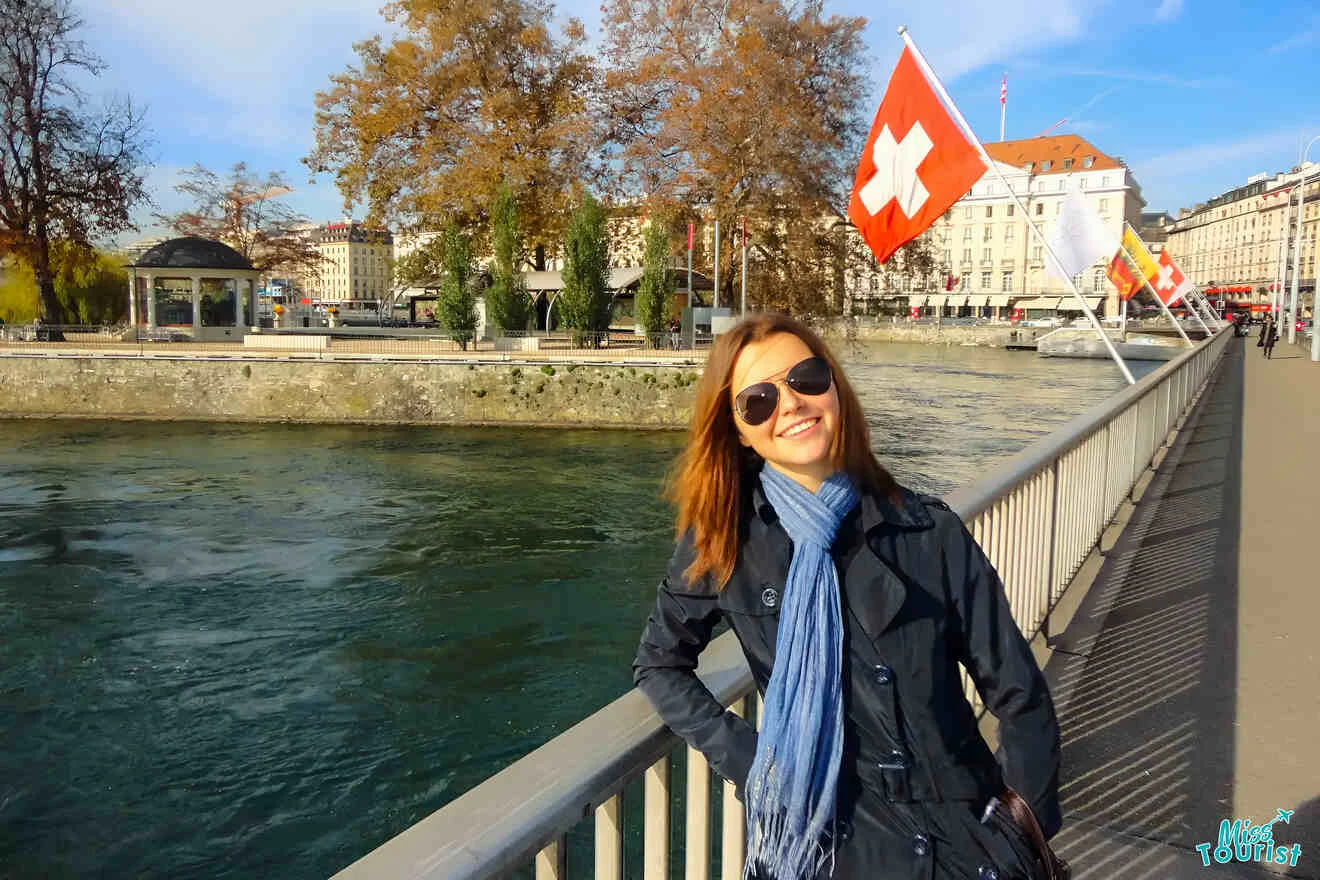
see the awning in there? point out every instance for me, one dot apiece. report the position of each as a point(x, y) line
point(916, 300)
point(999, 299)
point(977, 300)
point(1069, 303)
point(937, 301)
point(1038, 302)
point(957, 300)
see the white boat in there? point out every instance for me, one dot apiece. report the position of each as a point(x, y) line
point(1077, 342)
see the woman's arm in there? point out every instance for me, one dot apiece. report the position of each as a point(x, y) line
point(1009, 681)
point(677, 631)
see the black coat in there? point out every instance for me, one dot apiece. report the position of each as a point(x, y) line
point(919, 596)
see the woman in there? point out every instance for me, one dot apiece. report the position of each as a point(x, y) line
point(854, 600)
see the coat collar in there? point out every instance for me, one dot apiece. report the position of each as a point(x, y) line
point(874, 591)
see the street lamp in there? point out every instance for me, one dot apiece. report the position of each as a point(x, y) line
point(1297, 250)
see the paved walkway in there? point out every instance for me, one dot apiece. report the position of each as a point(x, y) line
point(1188, 683)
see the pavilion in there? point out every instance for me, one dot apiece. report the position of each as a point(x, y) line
point(194, 284)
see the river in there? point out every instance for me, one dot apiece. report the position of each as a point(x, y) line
point(241, 650)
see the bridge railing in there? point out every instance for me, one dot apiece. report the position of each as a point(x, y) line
point(1038, 516)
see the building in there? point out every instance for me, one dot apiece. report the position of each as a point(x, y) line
point(985, 248)
point(357, 264)
point(1238, 240)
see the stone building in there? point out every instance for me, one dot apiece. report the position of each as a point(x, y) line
point(1239, 239)
point(357, 264)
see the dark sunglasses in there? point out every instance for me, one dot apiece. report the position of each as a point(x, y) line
point(758, 402)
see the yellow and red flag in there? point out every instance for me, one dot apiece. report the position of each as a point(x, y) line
point(1122, 277)
point(1146, 264)
point(916, 163)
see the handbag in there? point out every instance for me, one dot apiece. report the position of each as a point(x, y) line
point(1025, 820)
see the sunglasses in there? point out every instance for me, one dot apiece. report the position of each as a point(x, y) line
point(757, 403)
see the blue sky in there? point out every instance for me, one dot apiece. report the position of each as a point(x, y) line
point(1194, 96)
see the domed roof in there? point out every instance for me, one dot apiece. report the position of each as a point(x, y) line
point(192, 253)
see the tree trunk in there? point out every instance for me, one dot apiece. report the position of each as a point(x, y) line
point(52, 311)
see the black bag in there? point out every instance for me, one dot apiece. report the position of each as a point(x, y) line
point(1055, 867)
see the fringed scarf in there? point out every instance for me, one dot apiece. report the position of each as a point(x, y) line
point(792, 786)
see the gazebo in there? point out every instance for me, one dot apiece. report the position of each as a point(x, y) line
point(195, 283)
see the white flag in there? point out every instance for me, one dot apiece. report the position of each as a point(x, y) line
point(1081, 237)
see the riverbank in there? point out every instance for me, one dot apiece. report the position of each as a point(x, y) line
point(987, 335)
point(346, 392)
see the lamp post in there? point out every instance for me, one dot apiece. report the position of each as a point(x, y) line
point(1297, 250)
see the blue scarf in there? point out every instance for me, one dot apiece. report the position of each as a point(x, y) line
point(793, 783)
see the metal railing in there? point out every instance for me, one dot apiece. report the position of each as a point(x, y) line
point(352, 343)
point(1037, 517)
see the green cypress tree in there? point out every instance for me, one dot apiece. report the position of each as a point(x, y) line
point(456, 305)
point(657, 284)
point(584, 306)
point(507, 304)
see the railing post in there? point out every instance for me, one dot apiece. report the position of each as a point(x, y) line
point(1054, 539)
point(655, 845)
point(735, 821)
point(696, 845)
point(552, 860)
point(609, 839)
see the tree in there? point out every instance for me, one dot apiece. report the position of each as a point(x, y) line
point(90, 286)
point(657, 284)
point(584, 306)
point(473, 92)
point(422, 266)
point(66, 172)
point(243, 212)
point(747, 108)
point(507, 303)
point(456, 305)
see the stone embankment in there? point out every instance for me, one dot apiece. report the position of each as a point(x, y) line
point(993, 336)
point(432, 393)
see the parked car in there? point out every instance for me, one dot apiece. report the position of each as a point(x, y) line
point(1043, 322)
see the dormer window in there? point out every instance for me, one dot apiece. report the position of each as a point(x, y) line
point(1045, 166)
point(1088, 161)
point(1026, 166)
point(1067, 164)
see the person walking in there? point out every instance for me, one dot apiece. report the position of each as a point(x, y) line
point(855, 600)
point(1265, 332)
point(1271, 337)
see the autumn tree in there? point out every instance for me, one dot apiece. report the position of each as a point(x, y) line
point(67, 173)
point(243, 211)
point(470, 94)
point(746, 108)
point(456, 303)
point(90, 286)
point(507, 304)
point(657, 283)
point(585, 305)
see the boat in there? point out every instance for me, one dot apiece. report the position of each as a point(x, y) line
point(1082, 342)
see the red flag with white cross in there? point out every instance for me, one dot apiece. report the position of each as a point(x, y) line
point(1170, 284)
point(916, 164)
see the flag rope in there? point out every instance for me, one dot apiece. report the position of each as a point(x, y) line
point(990, 163)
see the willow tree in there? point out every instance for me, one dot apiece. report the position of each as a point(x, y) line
point(470, 94)
point(746, 108)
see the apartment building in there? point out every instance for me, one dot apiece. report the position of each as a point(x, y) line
point(1243, 238)
point(357, 263)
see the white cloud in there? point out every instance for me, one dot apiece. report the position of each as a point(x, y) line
point(1267, 152)
point(1305, 38)
point(1169, 10)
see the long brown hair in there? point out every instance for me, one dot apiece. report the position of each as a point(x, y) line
point(707, 483)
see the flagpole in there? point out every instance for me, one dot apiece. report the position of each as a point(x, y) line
point(990, 163)
point(1155, 293)
point(1003, 106)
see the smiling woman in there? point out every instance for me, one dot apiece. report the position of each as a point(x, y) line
point(868, 761)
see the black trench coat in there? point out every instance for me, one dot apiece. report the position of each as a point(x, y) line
point(919, 596)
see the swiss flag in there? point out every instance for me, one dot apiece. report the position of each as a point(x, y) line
point(915, 165)
point(1170, 284)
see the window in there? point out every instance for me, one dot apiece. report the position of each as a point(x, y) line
point(1088, 161)
point(1026, 166)
point(967, 213)
point(1006, 283)
point(967, 232)
point(1008, 233)
point(988, 233)
point(967, 255)
point(1038, 253)
point(1098, 281)
point(987, 254)
point(1010, 210)
point(1104, 206)
point(989, 211)
point(1063, 184)
point(1082, 183)
point(1104, 179)
point(875, 284)
point(1067, 164)
point(1040, 209)
point(948, 257)
point(1058, 208)
point(987, 279)
point(1045, 166)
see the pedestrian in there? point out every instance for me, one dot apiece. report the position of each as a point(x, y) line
point(853, 600)
point(1271, 337)
point(1265, 330)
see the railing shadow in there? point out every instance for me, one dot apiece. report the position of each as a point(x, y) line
point(1145, 675)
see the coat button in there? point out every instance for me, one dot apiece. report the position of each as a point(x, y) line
point(883, 675)
point(987, 873)
point(921, 845)
point(843, 828)
point(770, 597)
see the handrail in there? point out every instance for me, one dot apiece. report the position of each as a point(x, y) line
point(1018, 514)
